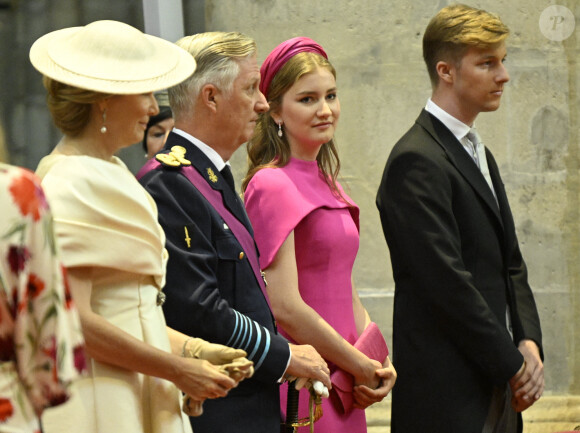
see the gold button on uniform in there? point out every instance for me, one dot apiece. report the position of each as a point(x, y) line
point(241, 255)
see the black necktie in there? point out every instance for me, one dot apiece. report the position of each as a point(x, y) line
point(227, 174)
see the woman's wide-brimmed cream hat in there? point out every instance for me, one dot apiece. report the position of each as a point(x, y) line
point(111, 57)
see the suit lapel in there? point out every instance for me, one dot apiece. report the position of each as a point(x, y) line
point(505, 211)
point(213, 177)
point(461, 160)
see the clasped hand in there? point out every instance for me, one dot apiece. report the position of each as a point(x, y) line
point(386, 375)
point(527, 385)
point(226, 360)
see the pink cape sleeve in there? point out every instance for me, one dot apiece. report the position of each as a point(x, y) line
point(277, 199)
point(275, 206)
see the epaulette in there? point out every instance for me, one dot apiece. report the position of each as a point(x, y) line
point(175, 158)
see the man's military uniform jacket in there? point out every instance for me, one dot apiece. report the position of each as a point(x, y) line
point(212, 291)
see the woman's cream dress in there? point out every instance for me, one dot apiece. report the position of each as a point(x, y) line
point(106, 221)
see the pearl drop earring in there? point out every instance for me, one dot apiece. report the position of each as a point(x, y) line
point(104, 127)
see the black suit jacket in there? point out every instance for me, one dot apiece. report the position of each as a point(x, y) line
point(457, 266)
point(212, 293)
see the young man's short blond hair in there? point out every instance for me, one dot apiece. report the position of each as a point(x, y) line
point(456, 28)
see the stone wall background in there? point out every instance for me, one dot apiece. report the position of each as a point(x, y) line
point(376, 49)
point(375, 46)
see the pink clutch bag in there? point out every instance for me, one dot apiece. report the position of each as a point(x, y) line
point(372, 343)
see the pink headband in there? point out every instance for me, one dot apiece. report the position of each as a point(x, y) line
point(281, 54)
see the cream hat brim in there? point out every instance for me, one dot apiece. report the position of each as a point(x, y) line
point(111, 57)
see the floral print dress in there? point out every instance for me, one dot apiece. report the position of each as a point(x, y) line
point(41, 345)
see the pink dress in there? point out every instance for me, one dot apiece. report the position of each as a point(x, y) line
point(296, 197)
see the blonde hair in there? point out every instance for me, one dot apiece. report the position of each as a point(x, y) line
point(217, 55)
point(456, 28)
point(70, 107)
point(265, 148)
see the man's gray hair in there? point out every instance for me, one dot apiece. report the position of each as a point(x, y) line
point(217, 55)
